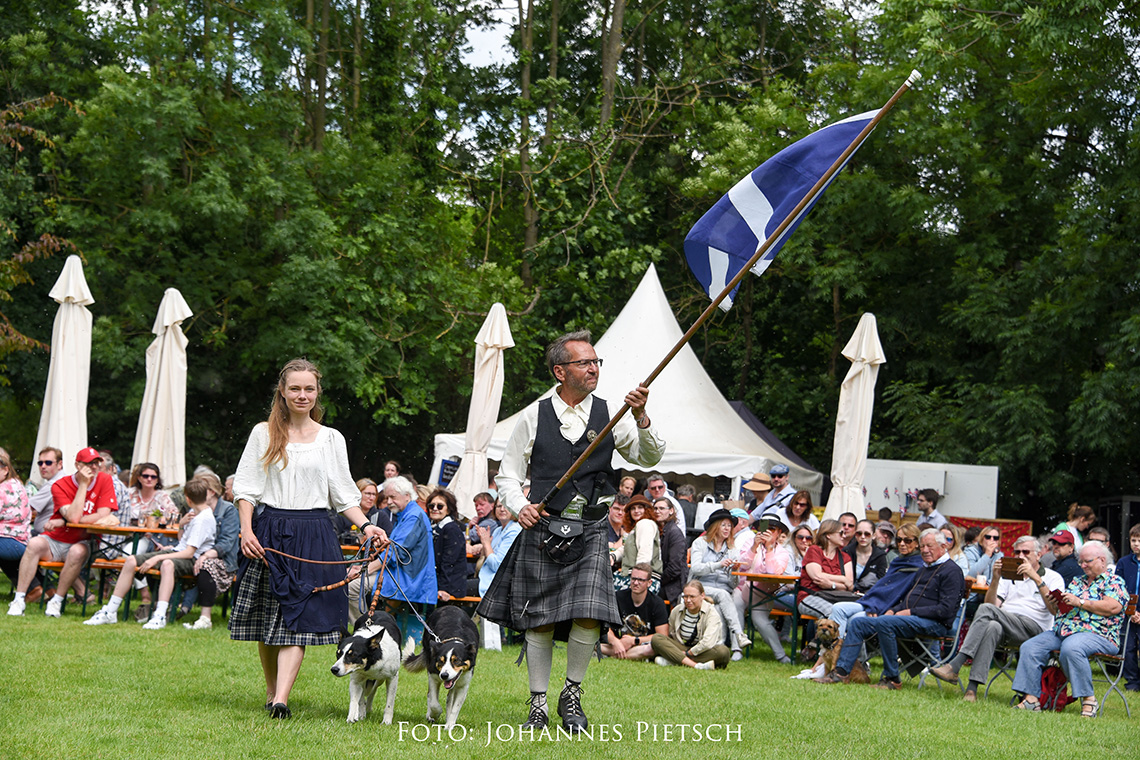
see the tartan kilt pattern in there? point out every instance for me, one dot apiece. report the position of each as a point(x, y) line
point(275, 604)
point(256, 615)
point(530, 590)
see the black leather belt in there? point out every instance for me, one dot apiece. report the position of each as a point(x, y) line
point(591, 513)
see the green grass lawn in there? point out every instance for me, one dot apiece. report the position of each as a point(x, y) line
point(72, 691)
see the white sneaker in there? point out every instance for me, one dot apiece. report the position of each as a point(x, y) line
point(102, 617)
point(201, 624)
point(737, 655)
point(743, 641)
point(662, 662)
point(156, 622)
point(54, 607)
point(705, 665)
point(16, 607)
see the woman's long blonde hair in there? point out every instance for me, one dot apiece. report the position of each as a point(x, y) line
point(279, 413)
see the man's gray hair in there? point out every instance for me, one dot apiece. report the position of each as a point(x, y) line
point(400, 485)
point(1099, 548)
point(556, 352)
point(654, 477)
point(932, 532)
point(686, 491)
point(1028, 540)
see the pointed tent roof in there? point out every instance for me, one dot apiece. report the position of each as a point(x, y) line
point(703, 434)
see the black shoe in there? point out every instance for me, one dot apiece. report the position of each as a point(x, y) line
point(280, 711)
point(537, 719)
point(570, 708)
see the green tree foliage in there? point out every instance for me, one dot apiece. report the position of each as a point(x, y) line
point(331, 178)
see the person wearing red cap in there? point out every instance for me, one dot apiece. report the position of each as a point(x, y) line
point(85, 497)
point(1065, 562)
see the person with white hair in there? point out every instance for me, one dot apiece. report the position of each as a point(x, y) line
point(1013, 612)
point(927, 609)
point(409, 575)
point(1087, 621)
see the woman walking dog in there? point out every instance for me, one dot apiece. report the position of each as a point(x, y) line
point(297, 468)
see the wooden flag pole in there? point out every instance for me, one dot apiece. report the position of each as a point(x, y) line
point(794, 214)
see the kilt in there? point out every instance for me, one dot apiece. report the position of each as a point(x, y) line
point(274, 604)
point(530, 590)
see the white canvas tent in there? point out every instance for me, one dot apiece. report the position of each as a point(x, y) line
point(703, 434)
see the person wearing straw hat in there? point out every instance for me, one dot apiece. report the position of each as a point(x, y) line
point(756, 489)
point(560, 584)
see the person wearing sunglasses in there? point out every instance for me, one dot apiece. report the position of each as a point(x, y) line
point(88, 496)
point(1013, 612)
point(450, 546)
point(802, 538)
point(984, 556)
point(870, 561)
point(1089, 623)
point(896, 582)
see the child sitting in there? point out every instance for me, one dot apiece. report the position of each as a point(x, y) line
point(196, 538)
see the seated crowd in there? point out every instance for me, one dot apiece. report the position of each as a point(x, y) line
point(681, 587)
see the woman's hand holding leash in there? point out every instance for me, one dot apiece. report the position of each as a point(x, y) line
point(250, 546)
point(377, 534)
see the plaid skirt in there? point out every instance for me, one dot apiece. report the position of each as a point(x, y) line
point(530, 590)
point(275, 603)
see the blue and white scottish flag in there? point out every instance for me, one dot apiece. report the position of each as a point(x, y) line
point(729, 234)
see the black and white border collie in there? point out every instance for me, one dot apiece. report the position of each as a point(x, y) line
point(449, 658)
point(369, 656)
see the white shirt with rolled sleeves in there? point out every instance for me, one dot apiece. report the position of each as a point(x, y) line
point(316, 477)
point(641, 447)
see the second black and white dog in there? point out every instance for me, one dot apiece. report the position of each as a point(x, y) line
point(449, 658)
point(369, 656)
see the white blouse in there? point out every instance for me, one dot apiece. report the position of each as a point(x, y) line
point(317, 476)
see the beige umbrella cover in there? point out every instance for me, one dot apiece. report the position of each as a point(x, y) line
point(63, 419)
point(486, 395)
point(161, 435)
point(853, 420)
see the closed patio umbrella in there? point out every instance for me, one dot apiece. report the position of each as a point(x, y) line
point(486, 395)
point(63, 419)
point(853, 420)
point(161, 435)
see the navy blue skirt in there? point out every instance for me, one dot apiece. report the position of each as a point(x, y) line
point(275, 603)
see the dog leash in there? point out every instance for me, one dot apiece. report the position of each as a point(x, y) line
point(359, 558)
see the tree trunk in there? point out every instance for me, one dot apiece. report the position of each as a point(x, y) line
point(555, 12)
point(530, 213)
point(322, 80)
point(357, 57)
point(206, 8)
point(837, 344)
point(611, 52)
point(307, 74)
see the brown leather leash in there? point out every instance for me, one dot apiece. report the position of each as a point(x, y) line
point(358, 559)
